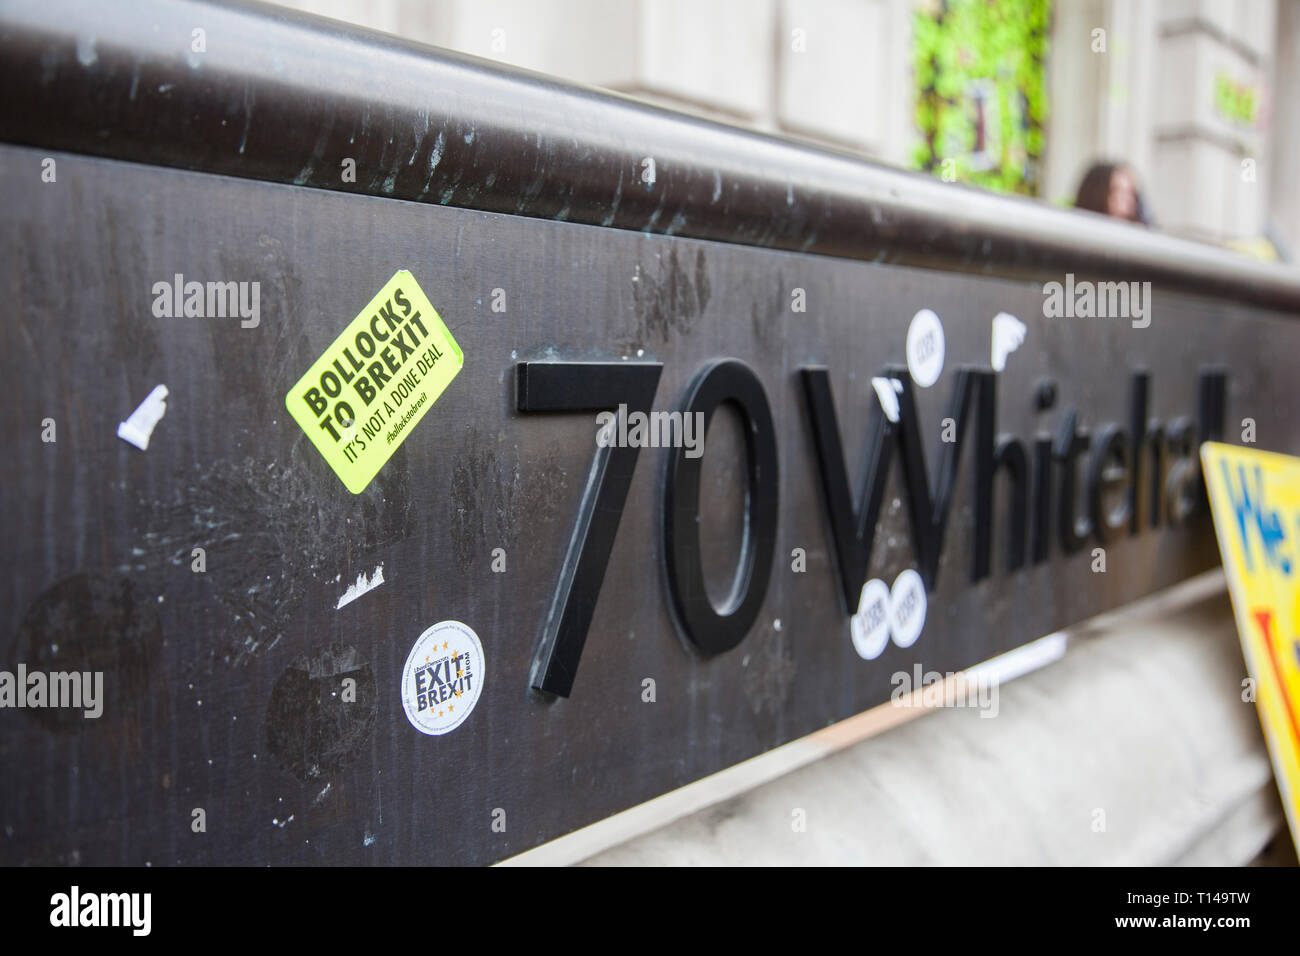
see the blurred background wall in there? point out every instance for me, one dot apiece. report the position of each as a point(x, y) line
point(1200, 97)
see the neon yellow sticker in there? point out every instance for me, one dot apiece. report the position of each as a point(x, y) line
point(374, 383)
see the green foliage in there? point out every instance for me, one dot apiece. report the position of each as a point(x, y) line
point(980, 54)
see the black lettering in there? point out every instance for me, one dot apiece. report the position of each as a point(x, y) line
point(1210, 410)
point(315, 401)
point(1071, 442)
point(404, 350)
point(424, 334)
point(365, 389)
point(1155, 442)
point(711, 630)
point(387, 355)
point(853, 530)
point(1109, 465)
point(386, 313)
point(1041, 507)
point(1139, 389)
point(1183, 487)
point(584, 387)
point(991, 457)
point(345, 375)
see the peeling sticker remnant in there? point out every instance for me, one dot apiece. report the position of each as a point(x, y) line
point(885, 391)
point(442, 678)
point(1008, 335)
point(375, 382)
point(363, 585)
point(137, 429)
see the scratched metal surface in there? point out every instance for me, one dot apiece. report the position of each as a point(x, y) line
point(217, 683)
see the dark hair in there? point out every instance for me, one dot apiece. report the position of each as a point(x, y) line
point(1094, 189)
point(1094, 192)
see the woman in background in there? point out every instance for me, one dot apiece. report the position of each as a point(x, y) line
point(1110, 189)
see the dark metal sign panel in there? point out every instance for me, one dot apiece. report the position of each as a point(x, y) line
point(644, 615)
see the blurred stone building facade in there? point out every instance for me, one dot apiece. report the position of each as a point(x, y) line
point(1200, 97)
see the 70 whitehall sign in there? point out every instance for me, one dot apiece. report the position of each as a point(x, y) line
point(1153, 466)
point(590, 620)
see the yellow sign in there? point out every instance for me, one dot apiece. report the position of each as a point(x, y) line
point(1255, 497)
point(375, 381)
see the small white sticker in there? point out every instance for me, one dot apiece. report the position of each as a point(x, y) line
point(443, 678)
point(925, 348)
point(870, 626)
point(907, 608)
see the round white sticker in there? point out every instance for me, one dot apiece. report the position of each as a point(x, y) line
point(925, 348)
point(870, 626)
point(443, 677)
point(907, 608)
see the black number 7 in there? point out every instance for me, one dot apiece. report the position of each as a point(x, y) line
point(584, 387)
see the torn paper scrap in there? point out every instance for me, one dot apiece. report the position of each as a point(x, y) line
point(363, 585)
point(140, 425)
point(1008, 335)
point(885, 391)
